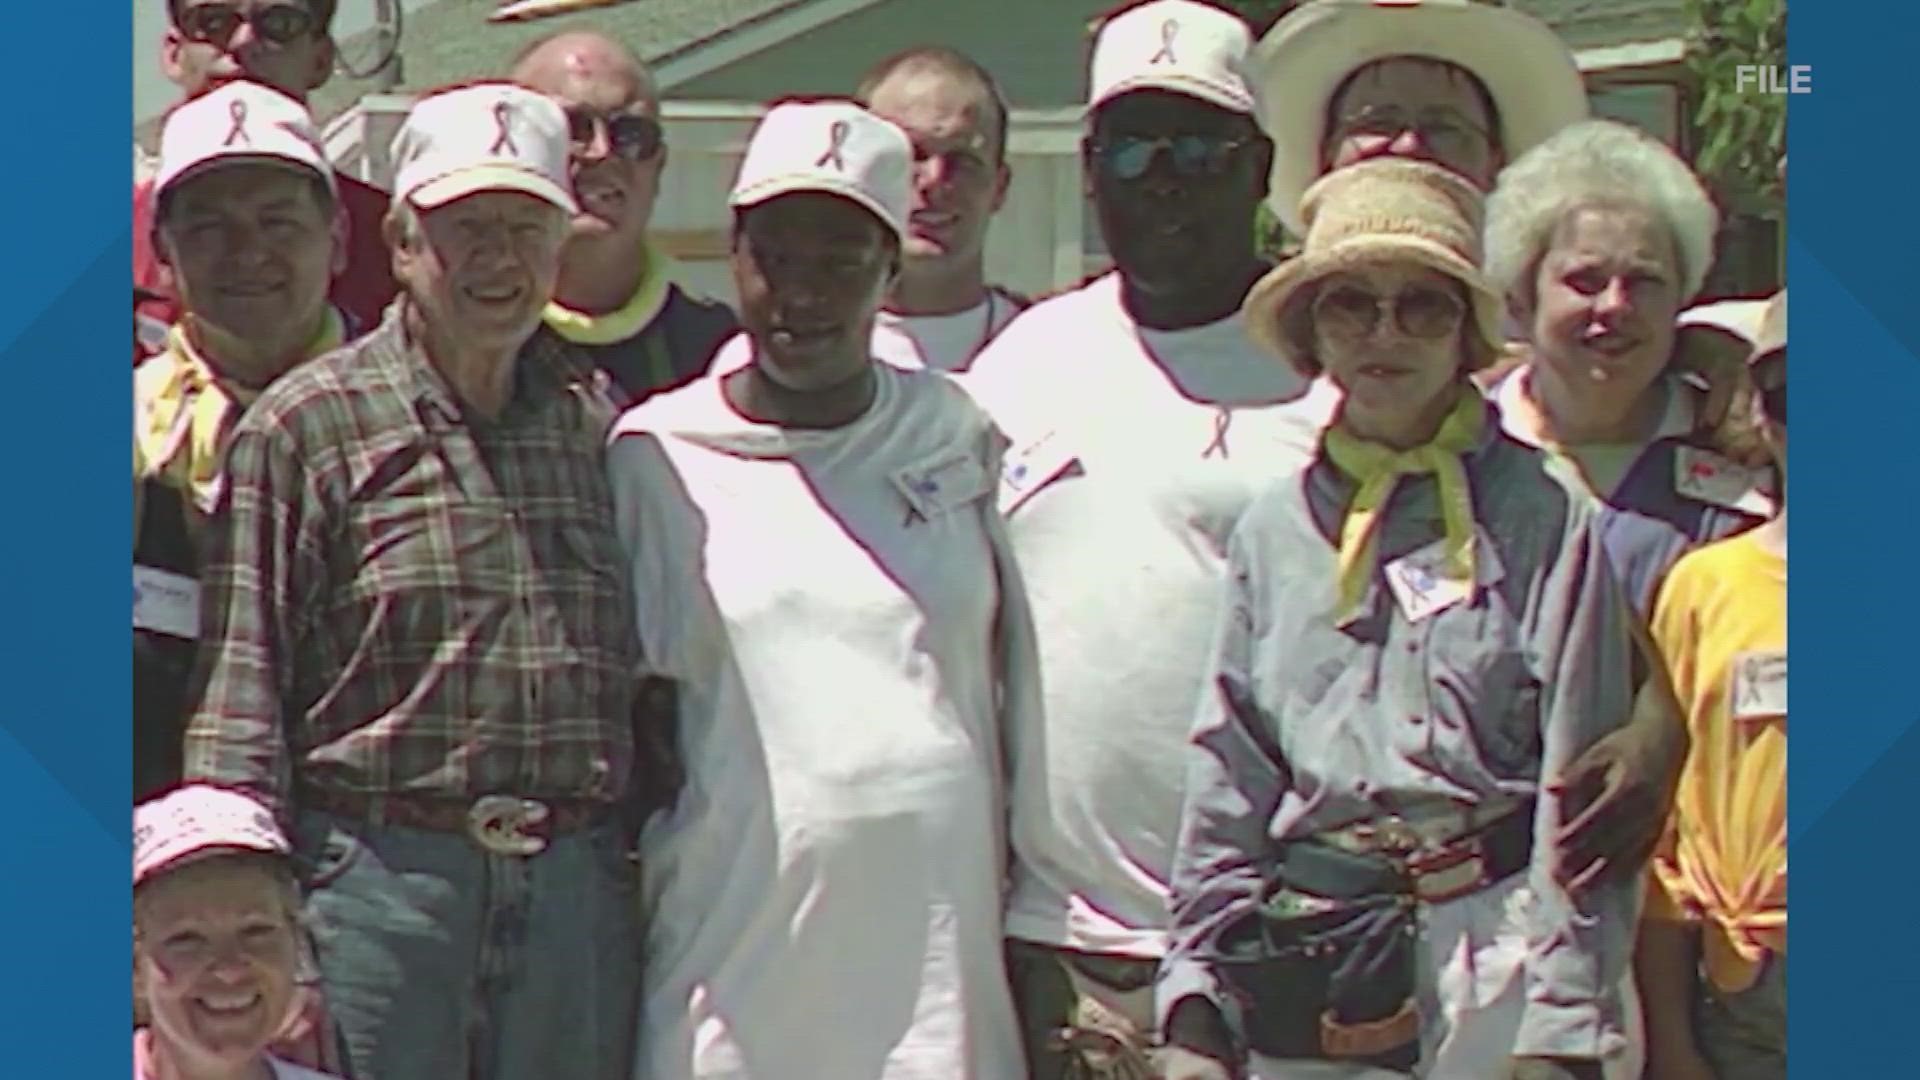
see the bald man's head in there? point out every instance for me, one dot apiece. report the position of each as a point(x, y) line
point(582, 66)
point(613, 107)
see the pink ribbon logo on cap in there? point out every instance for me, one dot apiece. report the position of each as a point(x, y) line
point(1168, 31)
point(837, 139)
point(237, 111)
point(502, 119)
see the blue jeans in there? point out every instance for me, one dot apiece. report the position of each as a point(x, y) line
point(442, 961)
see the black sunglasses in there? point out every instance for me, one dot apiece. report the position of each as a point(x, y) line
point(629, 136)
point(215, 24)
point(1128, 157)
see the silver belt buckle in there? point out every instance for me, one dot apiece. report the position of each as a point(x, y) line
point(499, 823)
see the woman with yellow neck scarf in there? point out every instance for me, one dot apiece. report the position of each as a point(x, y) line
point(1421, 625)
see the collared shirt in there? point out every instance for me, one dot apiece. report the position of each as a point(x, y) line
point(1664, 495)
point(1309, 726)
point(662, 338)
point(1721, 624)
point(406, 599)
point(183, 411)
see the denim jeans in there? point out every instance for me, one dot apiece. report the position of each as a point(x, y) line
point(1744, 1034)
point(442, 960)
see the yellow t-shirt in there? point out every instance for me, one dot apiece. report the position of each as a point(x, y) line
point(1721, 624)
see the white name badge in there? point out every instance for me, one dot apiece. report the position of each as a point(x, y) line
point(1030, 467)
point(1421, 585)
point(166, 603)
point(943, 486)
point(1759, 685)
point(1704, 476)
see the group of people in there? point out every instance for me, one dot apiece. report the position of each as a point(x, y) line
point(1368, 663)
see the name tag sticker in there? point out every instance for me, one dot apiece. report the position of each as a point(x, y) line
point(1759, 685)
point(1704, 476)
point(1421, 585)
point(1030, 467)
point(166, 603)
point(943, 486)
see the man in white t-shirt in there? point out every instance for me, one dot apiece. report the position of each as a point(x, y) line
point(940, 311)
point(1143, 419)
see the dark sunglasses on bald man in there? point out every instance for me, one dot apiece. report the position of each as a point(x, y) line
point(215, 24)
point(1420, 311)
point(1128, 157)
point(630, 136)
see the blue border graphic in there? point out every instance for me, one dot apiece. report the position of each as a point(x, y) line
point(64, 744)
point(1856, 764)
point(1855, 761)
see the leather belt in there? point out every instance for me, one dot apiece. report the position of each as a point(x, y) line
point(1445, 864)
point(499, 824)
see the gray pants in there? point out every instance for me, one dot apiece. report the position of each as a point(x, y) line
point(1744, 1034)
point(441, 960)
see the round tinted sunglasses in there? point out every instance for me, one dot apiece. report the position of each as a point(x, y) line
point(215, 24)
point(632, 137)
point(1128, 157)
point(1420, 311)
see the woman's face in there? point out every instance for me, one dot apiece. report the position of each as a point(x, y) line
point(1605, 296)
point(214, 959)
point(1390, 337)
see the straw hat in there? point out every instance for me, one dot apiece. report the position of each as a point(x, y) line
point(1294, 70)
point(1383, 211)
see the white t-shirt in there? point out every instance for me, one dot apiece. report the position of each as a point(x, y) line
point(941, 342)
point(850, 636)
point(1134, 453)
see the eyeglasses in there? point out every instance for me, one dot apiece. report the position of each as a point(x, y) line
point(630, 136)
point(1127, 157)
point(215, 24)
point(1420, 311)
point(1444, 130)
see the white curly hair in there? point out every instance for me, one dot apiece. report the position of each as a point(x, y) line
point(1588, 164)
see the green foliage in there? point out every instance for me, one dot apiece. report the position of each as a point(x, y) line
point(1740, 133)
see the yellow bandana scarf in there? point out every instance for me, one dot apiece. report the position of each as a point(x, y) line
point(1377, 470)
point(181, 428)
point(628, 319)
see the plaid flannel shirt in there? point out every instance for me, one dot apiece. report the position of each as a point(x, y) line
point(402, 599)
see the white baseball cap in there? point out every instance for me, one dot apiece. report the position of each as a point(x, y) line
point(831, 146)
point(1295, 69)
point(1176, 45)
point(200, 820)
point(238, 122)
point(488, 137)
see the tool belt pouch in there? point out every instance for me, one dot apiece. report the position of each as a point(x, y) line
point(1324, 968)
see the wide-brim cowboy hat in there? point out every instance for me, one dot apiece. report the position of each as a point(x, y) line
point(1295, 69)
point(1385, 211)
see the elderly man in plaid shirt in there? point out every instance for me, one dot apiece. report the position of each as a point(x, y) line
point(420, 650)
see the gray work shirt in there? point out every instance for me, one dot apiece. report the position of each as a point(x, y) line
point(1308, 726)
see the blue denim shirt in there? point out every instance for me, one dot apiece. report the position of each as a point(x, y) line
point(1308, 726)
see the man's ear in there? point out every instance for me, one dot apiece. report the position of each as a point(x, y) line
point(323, 58)
point(172, 46)
point(163, 259)
point(1002, 178)
point(399, 251)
